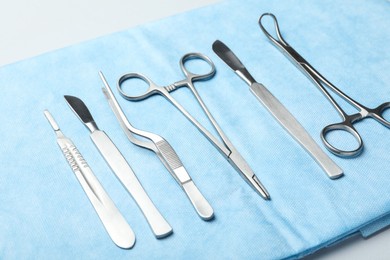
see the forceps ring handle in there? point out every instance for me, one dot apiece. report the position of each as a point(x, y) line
point(280, 41)
point(194, 76)
point(152, 89)
point(378, 112)
point(345, 126)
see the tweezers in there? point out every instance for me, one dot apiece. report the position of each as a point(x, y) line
point(164, 152)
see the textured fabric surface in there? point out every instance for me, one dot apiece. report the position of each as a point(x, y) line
point(45, 214)
point(375, 226)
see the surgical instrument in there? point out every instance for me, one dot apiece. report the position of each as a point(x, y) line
point(164, 152)
point(226, 148)
point(113, 221)
point(278, 111)
point(121, 168)
point(321, 82)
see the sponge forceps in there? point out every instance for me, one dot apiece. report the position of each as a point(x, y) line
point(225, 147)
point(321, 82)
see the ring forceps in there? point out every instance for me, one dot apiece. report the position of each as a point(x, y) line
point(348, 120)
point(226, 148)
point(164, 152)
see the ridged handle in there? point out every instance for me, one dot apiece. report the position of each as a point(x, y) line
point(176, 168)
point(113, 221)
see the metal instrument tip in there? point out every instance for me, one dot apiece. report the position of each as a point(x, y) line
point(260, 188)
point(51, 120)
point(246, 172)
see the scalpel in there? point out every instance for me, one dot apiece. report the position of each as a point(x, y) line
point(121, 168)
point(113, 221)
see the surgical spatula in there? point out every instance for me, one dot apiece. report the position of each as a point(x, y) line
point(278, 111)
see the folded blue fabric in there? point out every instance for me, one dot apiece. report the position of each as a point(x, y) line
point(375, 226)
point(44, 213)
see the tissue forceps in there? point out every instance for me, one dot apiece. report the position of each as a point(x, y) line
point(347, 120)
point(226, 148)
point(164, 152)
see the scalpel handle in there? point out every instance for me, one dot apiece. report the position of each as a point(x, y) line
point(295, 129)
point(113, 221)
point(125, 174)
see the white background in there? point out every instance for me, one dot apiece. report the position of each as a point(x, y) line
point(29, 28)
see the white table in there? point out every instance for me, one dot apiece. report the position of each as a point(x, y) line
point(29, 28)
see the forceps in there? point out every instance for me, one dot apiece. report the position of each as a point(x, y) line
point(164, 152)
point(347, 120)
point(226, 148)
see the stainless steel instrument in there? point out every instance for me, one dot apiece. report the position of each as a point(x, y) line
point(278, 111)
point(164, 152)
point(225, 147)
point(112, 220)
point(321, 82)
point(121, 168)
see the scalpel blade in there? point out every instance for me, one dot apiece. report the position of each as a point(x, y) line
point(113, 221)
point(121, 168)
